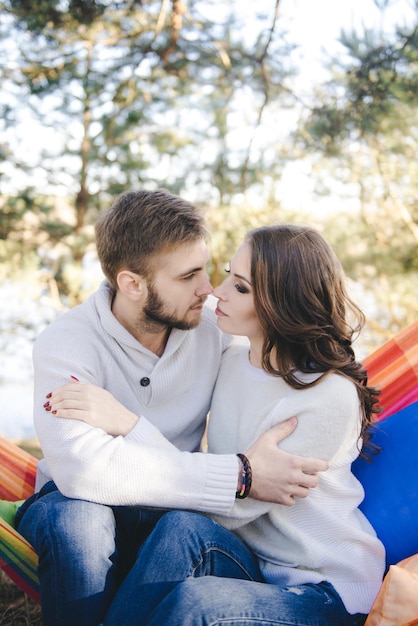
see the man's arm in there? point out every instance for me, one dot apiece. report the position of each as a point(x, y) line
point(277, 475)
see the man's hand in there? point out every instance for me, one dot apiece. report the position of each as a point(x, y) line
point(278, 476)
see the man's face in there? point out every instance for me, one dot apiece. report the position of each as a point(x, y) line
point(179, 287)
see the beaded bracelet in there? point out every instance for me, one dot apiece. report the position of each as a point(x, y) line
point(246, 477)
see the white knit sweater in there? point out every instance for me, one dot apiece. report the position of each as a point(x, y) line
point(323, 536)
point(151, 465)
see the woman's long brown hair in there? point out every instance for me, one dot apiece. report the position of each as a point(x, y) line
point(302, 304)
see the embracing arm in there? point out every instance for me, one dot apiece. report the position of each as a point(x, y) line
point(277, 475)
point(328, 427)
point(142, 467)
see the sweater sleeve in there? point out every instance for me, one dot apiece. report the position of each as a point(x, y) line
point(328, 428)
point(329, 419)
point(143, 468)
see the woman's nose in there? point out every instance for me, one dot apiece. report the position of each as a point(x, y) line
point(219, 292)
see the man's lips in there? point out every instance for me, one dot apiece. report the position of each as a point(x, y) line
point(198, 306)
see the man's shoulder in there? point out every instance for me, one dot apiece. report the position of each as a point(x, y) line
point(70, 326)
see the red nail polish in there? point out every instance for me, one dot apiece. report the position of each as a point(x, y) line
point(54, 412)
point(48, 408)
point(49, 395)
point(46, 404)
point(74, 378)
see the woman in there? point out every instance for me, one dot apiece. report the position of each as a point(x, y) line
point(323, 562)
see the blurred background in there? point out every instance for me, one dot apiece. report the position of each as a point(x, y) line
point(275, 110)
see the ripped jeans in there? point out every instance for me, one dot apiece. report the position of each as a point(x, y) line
point(193, 572)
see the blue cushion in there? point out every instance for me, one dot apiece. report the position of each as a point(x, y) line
point(390, 482)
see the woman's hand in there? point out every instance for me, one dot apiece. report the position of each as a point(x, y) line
point(93, 405)
point(278, 476)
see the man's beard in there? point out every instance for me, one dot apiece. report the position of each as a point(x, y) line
point(154, 318)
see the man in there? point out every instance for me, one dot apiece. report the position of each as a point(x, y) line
point(147, 338)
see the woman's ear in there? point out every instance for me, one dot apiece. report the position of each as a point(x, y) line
point(132, 285)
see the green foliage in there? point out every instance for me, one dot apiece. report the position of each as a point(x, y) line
point(376, 87)
point(47, 14)
point(134, 90)
point(36, 234)
point(142, 83)
point(229, 225)
point(364, 124)
point(149, 94)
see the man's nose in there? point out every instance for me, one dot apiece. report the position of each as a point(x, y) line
point(205, 288)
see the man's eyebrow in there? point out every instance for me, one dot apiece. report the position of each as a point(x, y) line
point(191, 271)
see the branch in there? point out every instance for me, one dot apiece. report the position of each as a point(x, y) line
point(400, 206)
point(266, 80)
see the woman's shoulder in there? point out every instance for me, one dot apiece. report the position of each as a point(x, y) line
point(330, 387)
point(330, 379)
point(237, 350)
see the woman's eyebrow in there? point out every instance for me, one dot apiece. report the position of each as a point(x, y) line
point(242, 278)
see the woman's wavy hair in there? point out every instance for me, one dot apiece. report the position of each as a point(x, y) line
point(302, 304)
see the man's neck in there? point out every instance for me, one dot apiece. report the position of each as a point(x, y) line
point(155, 342)
point(153, 337)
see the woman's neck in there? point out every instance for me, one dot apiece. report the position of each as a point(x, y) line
point(255, 354)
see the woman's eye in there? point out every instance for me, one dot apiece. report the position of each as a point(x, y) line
point(241, 288)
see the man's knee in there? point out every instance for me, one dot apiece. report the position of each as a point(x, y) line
point(66, 521)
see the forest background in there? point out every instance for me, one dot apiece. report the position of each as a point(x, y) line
point(208, 100)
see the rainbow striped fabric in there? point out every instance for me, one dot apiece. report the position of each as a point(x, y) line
point(19, 560)
point(18, 472)
point(393, 368)
point(17, 557)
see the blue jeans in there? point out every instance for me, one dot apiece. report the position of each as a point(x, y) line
point(84, 549)
point(192, 572)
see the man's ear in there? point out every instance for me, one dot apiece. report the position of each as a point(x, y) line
point(132, 285)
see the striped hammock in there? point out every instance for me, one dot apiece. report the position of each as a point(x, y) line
point(17, 557)
point(393, 368)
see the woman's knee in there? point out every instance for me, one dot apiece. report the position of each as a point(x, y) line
point(185, 523)
point(196, 602)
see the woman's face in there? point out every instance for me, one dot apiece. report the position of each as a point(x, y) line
point(235, 311)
